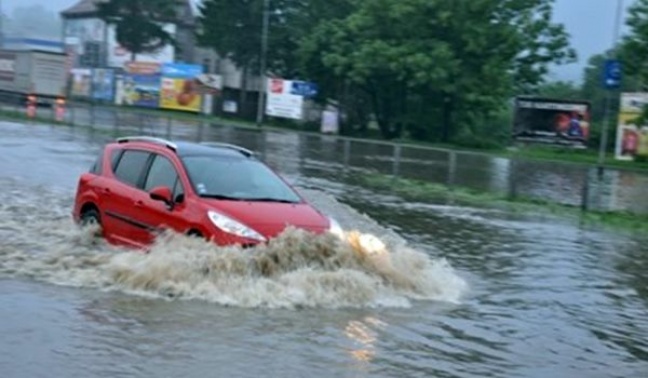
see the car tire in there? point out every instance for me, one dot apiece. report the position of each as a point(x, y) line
point(90, 217)
point(195, 234)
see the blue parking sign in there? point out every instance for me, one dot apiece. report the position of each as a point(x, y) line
point(304, 88)
point(612, 74)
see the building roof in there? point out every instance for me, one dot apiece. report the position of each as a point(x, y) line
point(81, 8)
point(85, 8)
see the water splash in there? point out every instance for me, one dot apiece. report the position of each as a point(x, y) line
point(297, 269)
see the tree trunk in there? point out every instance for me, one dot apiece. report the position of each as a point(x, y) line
point(448, 104)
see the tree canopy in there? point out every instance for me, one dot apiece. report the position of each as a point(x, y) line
point(429, 69)
point(139, 23)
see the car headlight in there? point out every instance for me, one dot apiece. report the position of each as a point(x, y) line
point(335, 228)
point(231, 226)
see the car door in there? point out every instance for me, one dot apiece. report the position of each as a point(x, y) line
point(157, 214)
point(127, 199)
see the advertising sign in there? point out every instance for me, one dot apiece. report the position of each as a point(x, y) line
point(282, 102)
point(632, 140)
point(330, 121)
point(103, 81)
point(81, 82)
point(550, 121)
point(140, 85)
point(179, 87)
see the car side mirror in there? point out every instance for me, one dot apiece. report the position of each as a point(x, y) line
point(162, 193)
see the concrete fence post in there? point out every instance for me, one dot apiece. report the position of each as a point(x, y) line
point(397, 160)
point(92, 116)
point(513, 179)
point(585, 194)
point(346, 154)
point(452, 168)
point(116, 124)
point(168, 127)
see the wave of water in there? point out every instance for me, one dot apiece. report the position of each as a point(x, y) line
point(38, 240)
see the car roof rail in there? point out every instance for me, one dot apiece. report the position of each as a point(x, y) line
point(170, 145)
point(240, 149)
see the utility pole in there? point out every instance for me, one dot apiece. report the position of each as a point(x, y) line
point(263, 63)
point(608, 98)
point(1, 26)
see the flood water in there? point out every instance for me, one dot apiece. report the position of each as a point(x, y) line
point(473, 293)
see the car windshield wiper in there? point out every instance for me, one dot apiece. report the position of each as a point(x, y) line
point(269, 199)
point(222, 197)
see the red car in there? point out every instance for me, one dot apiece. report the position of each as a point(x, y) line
point(140, 186)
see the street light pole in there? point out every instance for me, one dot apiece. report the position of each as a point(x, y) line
point(1, 26)
point(608, 97)
point(264, 53)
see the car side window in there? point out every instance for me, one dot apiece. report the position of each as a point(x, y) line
point(161, 173)
point(178, 190)
point(131, 165)
point(114, 158)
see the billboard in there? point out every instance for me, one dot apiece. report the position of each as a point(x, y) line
point(139, 85)
point(632, 139)
point(551, 121)
point(282, 101)
point(178, 91)
point(103, 81)
point(81, 82)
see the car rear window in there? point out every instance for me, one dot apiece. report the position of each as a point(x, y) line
point(131, 165)
point(96, 166)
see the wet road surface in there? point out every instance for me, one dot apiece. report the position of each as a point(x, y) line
point(492, 294)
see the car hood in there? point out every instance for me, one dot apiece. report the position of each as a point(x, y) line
point(271, 218)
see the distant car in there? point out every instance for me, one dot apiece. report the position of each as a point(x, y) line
point(140, 186)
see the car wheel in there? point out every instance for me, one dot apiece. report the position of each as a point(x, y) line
point(195, 234)
point(90, 217)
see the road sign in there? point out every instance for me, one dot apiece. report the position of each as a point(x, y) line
point(303, 88)
point(612, 74)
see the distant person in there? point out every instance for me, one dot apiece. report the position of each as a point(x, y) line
point(575, 129)
point(630, 143)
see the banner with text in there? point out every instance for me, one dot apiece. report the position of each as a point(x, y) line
point(632, 139)
point(282, 102)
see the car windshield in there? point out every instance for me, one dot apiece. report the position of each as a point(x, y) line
point(236, 179)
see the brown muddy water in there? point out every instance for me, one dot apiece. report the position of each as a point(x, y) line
point(472, 293)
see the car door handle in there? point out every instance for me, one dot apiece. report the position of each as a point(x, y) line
point(139, 203)
point(105, 191)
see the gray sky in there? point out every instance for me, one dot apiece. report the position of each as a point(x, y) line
point(590, 23)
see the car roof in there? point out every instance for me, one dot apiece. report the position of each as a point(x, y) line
point(183, 149)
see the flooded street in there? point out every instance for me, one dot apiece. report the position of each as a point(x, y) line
point(474, 293)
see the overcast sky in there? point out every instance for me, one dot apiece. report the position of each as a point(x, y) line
point(589, 22)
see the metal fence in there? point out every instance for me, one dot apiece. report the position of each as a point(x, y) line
point(330, 156)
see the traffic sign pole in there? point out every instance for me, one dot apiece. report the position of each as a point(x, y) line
point(612, 81)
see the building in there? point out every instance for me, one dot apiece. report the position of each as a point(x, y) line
point(26, 43)
point(93, 43)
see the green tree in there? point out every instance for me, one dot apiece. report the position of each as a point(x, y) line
point(233, 29)
point(562, 90)
point(139, 23)
point(634, 47)
point(451, 63)
point(634, 52)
